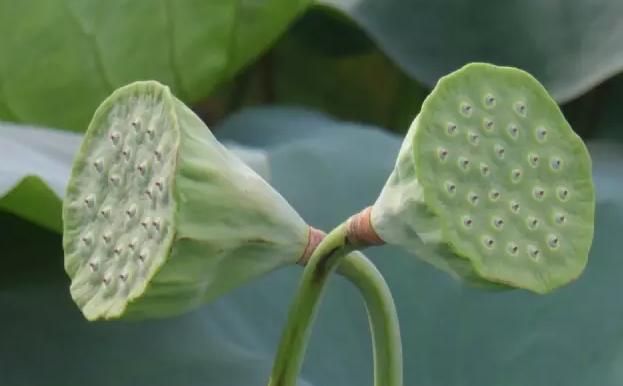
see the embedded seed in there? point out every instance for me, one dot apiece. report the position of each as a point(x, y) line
point(132, 244)
point(98, 164)
point(114, 137)
point(159, 184)
point(114, 179)
point(499, 150)
point(533, 159)
point(555, 163)
point(107, 236)
point(563, 193)
point(90, 200)
point(538, 192)
point(143, 254)
point(123, 276)
point(145, 222)
point(533, 252)
point(467, 221)
point(533, 222)
point(494, 195)
point(488, 242)
point(442, 153)
point(126, 153)
point(489, 100)
point(150, 132)
point(118, 249)
point(541, 134)
point(93, 266)
point(513, 131)
point(487, 124)
point(484, 169)
point(87, 239)
point(105, 211)
point(553, 241)
point(106, 280)
point(512, 248)
point(514, 206)
point(142, 167)
point(149, 193)
point(498, 222)
point(450, 187)
point(516, 174)
point(451, 128)
point(156, 223)
point(131, 211)
point(158, 154)
point(560, 218)
point(136, 124)
point(520, 108)
point(464, 163)
point(473, 198)
point(466, 109)
point(474, 138)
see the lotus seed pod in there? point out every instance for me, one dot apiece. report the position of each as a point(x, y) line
point(491, 183)
point(160, 218)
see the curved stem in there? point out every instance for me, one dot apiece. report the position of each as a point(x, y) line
point(379, 303)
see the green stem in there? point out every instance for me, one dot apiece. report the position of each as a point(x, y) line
point(334, 250)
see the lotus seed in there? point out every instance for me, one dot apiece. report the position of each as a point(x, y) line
point(158, 154)
point(494, 195)
point(98, 164)
point(473, 138)
point(488, 241)
point(487, 124)
point(149, 193)
point(538, 192)
point(143, 255)
point(472, 198)
point(484, 169)
point(464, 163)
point(443, 153)
point(513, 131)
point(451, 128)
point(133, 243)
point(450, 187)
point(145, 222)
point(105, 211)
point(563, 193)
point(131, 211)
point(159, 184)
point(142, 167)
point(93, 266)
point(553, 241)
point(118, 249)
point(106, 280)
point(512, 248)
point(560, 218)
point(90, 200)
point(126, 153)
point(87, 239)
point(467, 221)
point(156, 223)
point(533, 252)
point(499, 150)
point(136, 124)
point(533, 222)
point(114, 137)
point(556, 163)
point(516, 175)
point(123, 276)
point(489, 100)
point(541, 134)
point(114, 179)
point(466, 109)
point(515, 206)
point(520, 108)
point(498, 222)
point(533, 159)
point(150, 132)
point(107, 236)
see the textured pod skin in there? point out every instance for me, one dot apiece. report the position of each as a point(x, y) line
point(160, 218)
point(491, 183)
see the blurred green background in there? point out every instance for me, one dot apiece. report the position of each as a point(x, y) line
point(314, 91)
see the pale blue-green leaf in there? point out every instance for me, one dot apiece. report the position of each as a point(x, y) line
point(568, 45)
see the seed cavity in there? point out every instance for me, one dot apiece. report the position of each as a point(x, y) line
point(156, 222)
point(512, 248)
point(464, 163)
point(484, 169)
point(442, 153)
point(107, 236)
point(451, 128)
point(115, 137)
point(123, 276)
point(489, 101)
point(136, 124)
point(450, 187)
point(87, 239)
point(499, 150)
point(467, 221)
point(488, 124)
point(473, 138)
point(142, 167)
point(149, 193)
point(532, 222)
point(553, 241)
point(488, 242)
point(498, 222)
point(158, 154)
point(533, 160)
point(538, 192)
point(514, 206)
point(117, 250)
point(513, 131)
point(106, 280)
point(473, 198)
point(533, 252)
point(105, 212)
point(555, 163)
point(98, 164)
point(563, 193)
point(143, 254)
point(131, 211)
point(132, 244)
point(520, 108)
point(150, 132)
point(541, 134)
point(114, 179)
point(126, 153)
point(89, 200)
point(466, 109)
point(516, 174)
point(93, 266)
point(494, 195)
point(159, 184)
point(560, 218)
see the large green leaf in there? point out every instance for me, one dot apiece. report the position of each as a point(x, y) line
point(568, 45)
point(452, 335)
point(60, 58)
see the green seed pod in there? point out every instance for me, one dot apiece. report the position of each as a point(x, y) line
point(160, 218)
point(491, 183)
